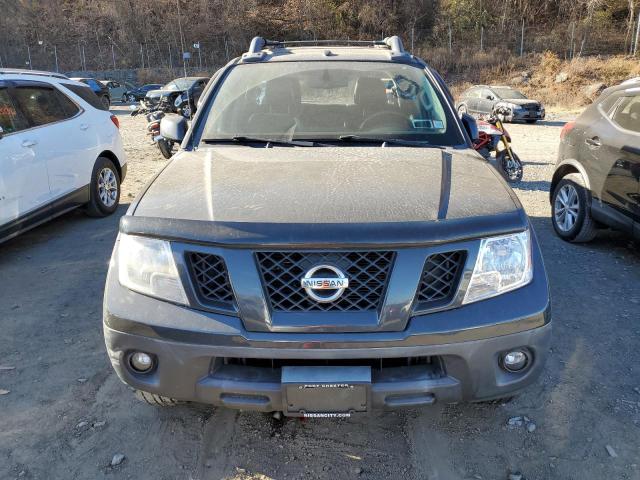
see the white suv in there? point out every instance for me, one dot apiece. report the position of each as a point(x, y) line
point(59, 149)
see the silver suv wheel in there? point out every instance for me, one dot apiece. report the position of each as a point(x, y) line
point(567, 207)
point(107, 187)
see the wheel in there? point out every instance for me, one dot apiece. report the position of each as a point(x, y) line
point(124, 98)
point(511, 168)
point(185, 108)
point(104, 189)
point(531, 120)
point(571, 210)
point(462, 109)
point(131, 98)
point(156, 400)
point(165, 147)
point(106, 102)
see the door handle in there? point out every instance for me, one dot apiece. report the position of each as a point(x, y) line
point(84, 126)
point(593, 141)
point(29, 143)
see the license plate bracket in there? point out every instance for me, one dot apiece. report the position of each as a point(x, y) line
point(325, 391)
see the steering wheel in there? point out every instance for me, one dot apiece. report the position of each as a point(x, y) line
point(381, 121)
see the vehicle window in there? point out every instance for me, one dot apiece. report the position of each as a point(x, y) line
point(86, 94)
point(69, 108)
point(486, 93)
point(627, 115)
point(327, 100)
point(475, 93)
point(10, 120)
point(508, 93)
point(43, 105)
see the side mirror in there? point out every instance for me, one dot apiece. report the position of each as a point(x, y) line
point(470, 126)
point(173, 127)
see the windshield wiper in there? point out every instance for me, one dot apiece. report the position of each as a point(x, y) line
point(393, 141)
point(247, 139)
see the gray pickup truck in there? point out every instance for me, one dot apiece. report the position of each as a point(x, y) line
point(326, 242)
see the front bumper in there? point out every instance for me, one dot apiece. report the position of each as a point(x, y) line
point(194, 372)
point(193, 347)
point(527, 115)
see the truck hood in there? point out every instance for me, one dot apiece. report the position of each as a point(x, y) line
point(329, 189)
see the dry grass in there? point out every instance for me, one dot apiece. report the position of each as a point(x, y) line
point(501, 67)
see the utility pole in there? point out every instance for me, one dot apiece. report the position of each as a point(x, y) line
point(184, 57)
point(481, 38)
point(142, 54)
point(450, 38)
point(572, 45)
point(170, 59)
point(226, 48)
point(635, 45)
point(522, 39)
point(84, 60)
point(55, 55)
point(29, 55)
point(113, 55)
point(413, 30)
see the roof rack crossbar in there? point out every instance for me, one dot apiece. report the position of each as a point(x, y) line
point(258, 44)
point(39, 73)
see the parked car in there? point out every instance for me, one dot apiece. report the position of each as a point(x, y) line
point(325, 243)
point(138, 93)
point(182, 93)
point(597, 177)
point(98, 88)
point(485, 100)
point(59, 149)
point(118, 90)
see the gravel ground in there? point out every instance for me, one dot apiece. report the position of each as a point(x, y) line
point(66, 415)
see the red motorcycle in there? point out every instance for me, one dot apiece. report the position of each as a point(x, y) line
point(493, 138)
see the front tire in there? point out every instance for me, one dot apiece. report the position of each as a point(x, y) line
point(571, 210)
point(511, 168)
point(104, 189)
point(106, 102)
point(166, 148)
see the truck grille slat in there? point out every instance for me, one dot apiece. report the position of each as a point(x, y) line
point(440, 278)
point(368, 274)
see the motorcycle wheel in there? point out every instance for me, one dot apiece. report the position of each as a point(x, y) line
point(511, 168)
point(166, 148)
point(185, 110)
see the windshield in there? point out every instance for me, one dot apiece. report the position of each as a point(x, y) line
point(179, 84)
point(329, 101)
point(508, 93)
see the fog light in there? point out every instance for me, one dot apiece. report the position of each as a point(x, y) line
point(141, 362)
point(515, 361)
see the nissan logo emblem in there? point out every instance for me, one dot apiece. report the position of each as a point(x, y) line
point(333, 285)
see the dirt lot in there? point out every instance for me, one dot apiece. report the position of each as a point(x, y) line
point(66, 414)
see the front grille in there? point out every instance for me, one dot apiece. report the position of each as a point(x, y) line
point(368, 274)
point(211, 280)
point(440, 278)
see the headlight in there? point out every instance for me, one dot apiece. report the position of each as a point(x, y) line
point(503, 264)
point(146, 265)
